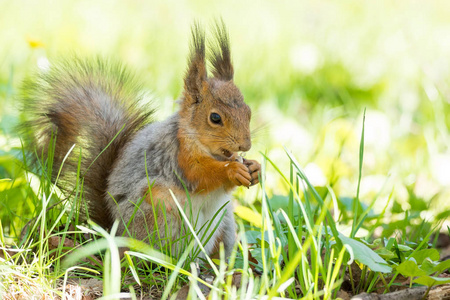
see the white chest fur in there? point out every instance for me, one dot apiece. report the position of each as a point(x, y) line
point(207, 211)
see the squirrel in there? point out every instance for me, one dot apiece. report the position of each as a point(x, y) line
point(130, 163)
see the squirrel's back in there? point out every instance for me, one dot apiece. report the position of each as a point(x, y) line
point(95, 105)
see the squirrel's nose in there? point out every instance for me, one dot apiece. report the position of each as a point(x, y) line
point(245, 146)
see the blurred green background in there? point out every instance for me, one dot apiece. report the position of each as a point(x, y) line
point(308, 69)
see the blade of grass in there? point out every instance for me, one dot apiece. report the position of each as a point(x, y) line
point(356, 203)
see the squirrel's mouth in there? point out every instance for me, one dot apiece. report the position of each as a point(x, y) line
point(224, 155)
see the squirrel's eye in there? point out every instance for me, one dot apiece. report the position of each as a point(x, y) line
point(215, 118)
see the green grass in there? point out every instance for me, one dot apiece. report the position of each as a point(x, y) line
point(295, 251)
point(308, 70)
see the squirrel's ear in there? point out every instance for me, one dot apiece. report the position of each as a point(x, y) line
point(196, 73)
point(220, 56)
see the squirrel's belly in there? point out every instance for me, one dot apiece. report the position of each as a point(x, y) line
point(208, 210)
point(206, 206)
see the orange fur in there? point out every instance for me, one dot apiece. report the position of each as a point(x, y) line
point(206, 171)
point(161, 195)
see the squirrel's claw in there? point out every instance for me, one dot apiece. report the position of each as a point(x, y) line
point(252, 165)
point(238, 173)
point(242, 180)
point(254, 168)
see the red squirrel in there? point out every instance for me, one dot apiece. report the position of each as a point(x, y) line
point(98, 106)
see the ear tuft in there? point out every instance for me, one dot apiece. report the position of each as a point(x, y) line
point(196, 73)
point(220, 56)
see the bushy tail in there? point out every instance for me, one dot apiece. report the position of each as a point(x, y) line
point(86, 103)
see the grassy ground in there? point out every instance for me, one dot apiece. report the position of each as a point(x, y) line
point(308, 70)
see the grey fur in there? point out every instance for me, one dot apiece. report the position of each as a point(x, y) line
point(157, 145)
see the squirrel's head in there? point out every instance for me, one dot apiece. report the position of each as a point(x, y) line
point(213, 111)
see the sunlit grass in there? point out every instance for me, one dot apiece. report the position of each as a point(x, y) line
point(294, 251)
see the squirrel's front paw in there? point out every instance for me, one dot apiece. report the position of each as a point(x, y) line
point(254, 168)
point(238, 173)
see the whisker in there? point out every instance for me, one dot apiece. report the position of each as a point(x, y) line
point(260, 128)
